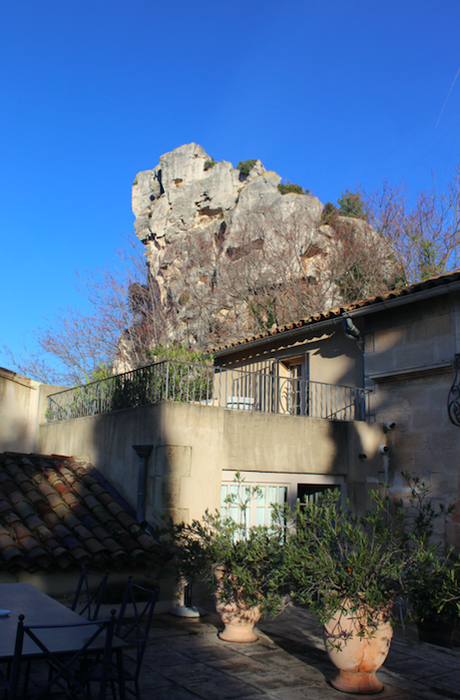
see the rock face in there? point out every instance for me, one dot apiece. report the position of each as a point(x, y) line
point(228, 254)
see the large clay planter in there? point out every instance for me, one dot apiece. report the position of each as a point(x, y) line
point(238, 618)
point(358, 648)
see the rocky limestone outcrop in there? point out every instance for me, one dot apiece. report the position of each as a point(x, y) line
point(227, 253)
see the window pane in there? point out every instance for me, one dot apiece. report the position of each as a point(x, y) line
point(260, 515)
point(261, 496)
point(272, 495)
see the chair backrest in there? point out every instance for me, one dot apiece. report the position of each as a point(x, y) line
point(92, 600)
point(64, 670)
point(136, 631)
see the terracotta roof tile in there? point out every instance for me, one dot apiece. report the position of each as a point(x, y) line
point(24, 509)
point(80, 553)
point(10, 517)
point(95, 546)
point(115, 547)
point(5, 540)
point(115, 508)
point(33, 522)
point(91, 502)
point(102, 514)
point(126, 520)
point(70, 498)
point(56, 512)
point(5, 505)
point(51, 519)
point(105, 498)
point(89, 521)
point(71, 542)
point(8, 487)
point(71, 520)
point(61, 509)
point(46, 489)
point(444, 280)
point(101, 533)
point(10, 552)
point(78, 510)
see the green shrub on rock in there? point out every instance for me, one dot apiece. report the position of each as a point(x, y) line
point(290, 188)
point(245, 166)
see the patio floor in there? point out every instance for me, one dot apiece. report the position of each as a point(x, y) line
point(186, 660)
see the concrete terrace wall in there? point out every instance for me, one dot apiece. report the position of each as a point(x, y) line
point(18, 412)
point(193, 444)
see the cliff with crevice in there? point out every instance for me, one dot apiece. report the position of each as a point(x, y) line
point(229, 255)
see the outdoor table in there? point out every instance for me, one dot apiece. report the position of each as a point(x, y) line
point(39, 609)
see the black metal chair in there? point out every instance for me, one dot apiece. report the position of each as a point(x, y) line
point(66, 672)
point(92, 600)
point(135, 632)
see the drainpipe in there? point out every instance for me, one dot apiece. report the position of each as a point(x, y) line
point(352, 332)
point(143, 452)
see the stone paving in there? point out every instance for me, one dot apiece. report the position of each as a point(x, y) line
point(186, 660)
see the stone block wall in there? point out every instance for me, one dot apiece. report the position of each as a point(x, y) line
point(409, 359)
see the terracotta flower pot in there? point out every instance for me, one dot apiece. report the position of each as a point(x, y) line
point(357, 644)
point(238, 618)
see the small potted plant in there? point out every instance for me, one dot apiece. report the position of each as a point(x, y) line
point(239, 563)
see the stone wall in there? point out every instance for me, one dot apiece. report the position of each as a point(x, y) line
point(409, 358)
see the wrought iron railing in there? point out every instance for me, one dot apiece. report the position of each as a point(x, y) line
point(211, 386)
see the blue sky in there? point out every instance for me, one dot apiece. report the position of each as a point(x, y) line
point(328, 93)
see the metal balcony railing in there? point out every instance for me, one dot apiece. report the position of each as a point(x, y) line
point(210, 386)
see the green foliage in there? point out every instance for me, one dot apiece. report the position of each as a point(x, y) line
point(179, 353)
point(264, 314)
point(329, 214)
point(335, 556)
point(429, 262)
point(336, 561)
point(432, 584)
point(351, 204)
point(176, 374)
point(433, 587)
point(290, 188)
point(209, 163)
point(245, 166)
point(102, 371)
point(240, 562)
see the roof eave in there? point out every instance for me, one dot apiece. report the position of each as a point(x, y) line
point(373, 307)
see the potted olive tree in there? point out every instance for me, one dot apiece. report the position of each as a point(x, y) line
point(239, 563)
point(348, 569)
point(433, 592)
point(351, 569)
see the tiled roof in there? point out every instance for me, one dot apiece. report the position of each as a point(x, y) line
point(56, 512)
point(433, 282)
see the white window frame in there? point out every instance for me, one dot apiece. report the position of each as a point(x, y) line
point(289, 481)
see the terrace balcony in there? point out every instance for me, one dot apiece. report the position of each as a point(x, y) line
point(233, 389)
